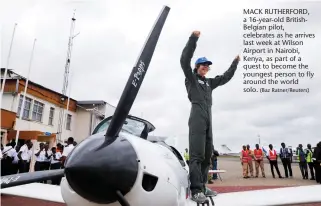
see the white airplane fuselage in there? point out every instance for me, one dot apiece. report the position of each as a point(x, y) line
point(156, 160)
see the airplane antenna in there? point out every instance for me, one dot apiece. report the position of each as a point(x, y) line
point(66, 76)
point(135, 79)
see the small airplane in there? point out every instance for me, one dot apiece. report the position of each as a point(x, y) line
point(226, 151)
point(114, 167)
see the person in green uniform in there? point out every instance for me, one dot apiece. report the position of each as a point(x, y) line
point(186, 156)
point(302, 162)
point(309, 155)
point(199, 90)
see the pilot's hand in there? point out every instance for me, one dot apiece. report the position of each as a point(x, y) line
point(196, 33)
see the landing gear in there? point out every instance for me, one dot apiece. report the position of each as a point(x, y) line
point(207, 203)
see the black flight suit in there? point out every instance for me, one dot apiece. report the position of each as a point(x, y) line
point(317, 167)
point(199, 91)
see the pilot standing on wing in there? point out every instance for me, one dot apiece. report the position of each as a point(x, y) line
point(199, 89)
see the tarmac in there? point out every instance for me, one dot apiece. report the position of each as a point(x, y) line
point(232, 181)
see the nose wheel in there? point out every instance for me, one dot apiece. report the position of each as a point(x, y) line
point(207, 203)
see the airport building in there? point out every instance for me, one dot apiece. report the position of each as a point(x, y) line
point(40, 115)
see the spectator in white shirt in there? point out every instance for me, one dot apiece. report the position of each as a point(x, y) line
point(47, 157)
point(46, 162)
point(24, 156)
point(40, 157)
point(70, 146)
point(55, 164)
point(43, 159)
point(6, 161)
point(15, 165)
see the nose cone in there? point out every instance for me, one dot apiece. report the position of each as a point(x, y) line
point(96, 172)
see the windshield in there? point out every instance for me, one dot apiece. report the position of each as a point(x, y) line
point(130, 126)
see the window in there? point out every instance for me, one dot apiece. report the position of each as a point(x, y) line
point(68, 122)
point(37, 111)
point(51, 115)
point(27, 107)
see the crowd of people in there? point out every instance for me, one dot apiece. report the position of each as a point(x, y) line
point(309, 159)
point(17, 158)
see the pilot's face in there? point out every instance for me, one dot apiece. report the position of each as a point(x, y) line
point(203, 69)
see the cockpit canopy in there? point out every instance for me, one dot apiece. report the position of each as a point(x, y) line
point(133, 125)
point(140, 128)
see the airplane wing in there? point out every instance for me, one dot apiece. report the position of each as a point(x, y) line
point(267, 197)
point(40, 191)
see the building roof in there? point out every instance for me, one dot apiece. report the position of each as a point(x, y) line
point(9, 71)
point(97, 102)
point(84, 102)
point(18, 76)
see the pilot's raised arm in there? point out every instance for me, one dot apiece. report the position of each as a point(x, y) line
point(220, 80)
point(187, 55)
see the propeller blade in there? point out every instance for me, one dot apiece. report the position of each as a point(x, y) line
point(136, 78)
point(30, 177)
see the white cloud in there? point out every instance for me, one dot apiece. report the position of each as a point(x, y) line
point(112, 34)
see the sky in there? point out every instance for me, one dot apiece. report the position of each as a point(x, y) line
point(111, 36)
